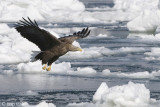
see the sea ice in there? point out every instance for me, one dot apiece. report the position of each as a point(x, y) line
point(71, 10)
point(36, 67)
point(94, 52)
point(154, 54)
point(102, 35)
point(148, 19)
point(84, 71)
point(128, 95)
point(39, 9)
point(63, 68)
point(144, 74)
point(135, 5)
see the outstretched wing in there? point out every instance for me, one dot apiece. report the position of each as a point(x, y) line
point(31, 31)
point(77, 35)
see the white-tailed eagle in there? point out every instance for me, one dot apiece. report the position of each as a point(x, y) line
point(51, 47)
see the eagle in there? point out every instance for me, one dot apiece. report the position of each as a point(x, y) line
point(51, 47)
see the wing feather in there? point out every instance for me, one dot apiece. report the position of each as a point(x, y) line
point(31, 31)
point(77, 35)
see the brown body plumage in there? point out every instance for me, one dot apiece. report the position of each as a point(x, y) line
point(51, 47)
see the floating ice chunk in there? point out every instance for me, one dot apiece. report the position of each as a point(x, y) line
point(153, 55)
point(40, 9)
point(36, 67)
point(154, 52)
point(135, 5)
point(83, 71)
point(144, 74)
point(142, 36)
point(63, 68)
point(148, 18)
point(92, 52)
point(13, 57)
point(129, 95)
point(147, 21)
point(30, 67)
point(122, 50)
point(100, 91)
point(102, 35)
point(106, 72)
point(42, 104)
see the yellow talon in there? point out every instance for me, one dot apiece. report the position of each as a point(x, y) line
point(49, 68)
point(44, 67)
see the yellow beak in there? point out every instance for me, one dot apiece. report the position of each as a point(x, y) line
point(79, 49)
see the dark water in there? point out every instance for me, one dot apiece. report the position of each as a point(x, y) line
point(62, 90)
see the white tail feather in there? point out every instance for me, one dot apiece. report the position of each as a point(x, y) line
point(34, 54)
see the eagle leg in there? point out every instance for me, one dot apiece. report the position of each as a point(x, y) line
point(49, 68)
point(44, 67)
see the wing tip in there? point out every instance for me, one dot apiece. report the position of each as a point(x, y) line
point(83, 33)
point(25, 23)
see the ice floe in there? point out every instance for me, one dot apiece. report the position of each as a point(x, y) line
point(14, 48)
point(154, 54)
point(39, 9)
point(94, 52)
point(36, 67)
point(135, 5)
point(144, 74)
point(63, 68)
point(102, 35)
point(148, 19)
point(72, 10)
point(128, 95)
point(84, 71)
